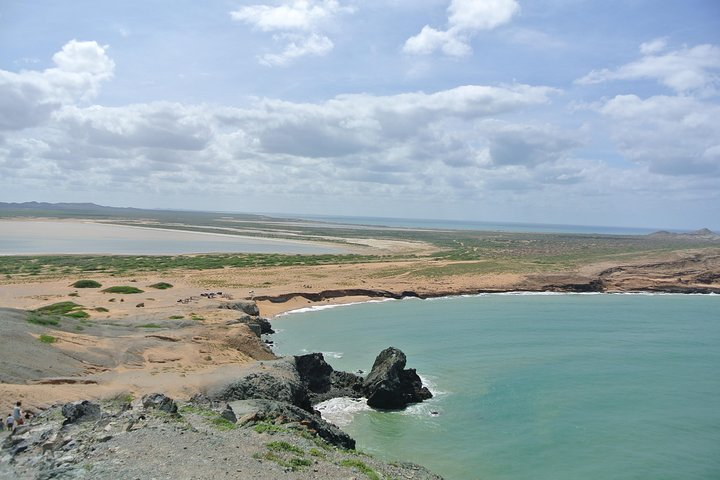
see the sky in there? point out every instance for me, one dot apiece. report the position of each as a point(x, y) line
point(588, 112)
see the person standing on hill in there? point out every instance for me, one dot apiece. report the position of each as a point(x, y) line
point(17, 414)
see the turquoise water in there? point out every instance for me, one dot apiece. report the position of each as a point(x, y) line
point(536, 386)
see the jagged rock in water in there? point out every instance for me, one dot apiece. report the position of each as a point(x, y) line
point(160, 402)
point(323, 382)
point(80, 411)
point(390, 386)
point(245, 306)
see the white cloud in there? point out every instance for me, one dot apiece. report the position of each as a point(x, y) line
point(465, 18)
point(29, 97)
point(686, 70)
point(298, 46)
point(669, 135)
point(300, 24)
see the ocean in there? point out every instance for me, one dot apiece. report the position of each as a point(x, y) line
point(535, 386)
point(510, 227)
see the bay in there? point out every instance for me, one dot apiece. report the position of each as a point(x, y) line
point(535, 386)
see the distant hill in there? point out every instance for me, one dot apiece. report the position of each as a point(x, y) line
point(702, 234)
point(92, 210)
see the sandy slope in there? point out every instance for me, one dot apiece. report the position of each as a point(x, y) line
point(113, 353)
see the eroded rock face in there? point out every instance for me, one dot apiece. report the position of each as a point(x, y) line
point(390, 386)
point(245, 306)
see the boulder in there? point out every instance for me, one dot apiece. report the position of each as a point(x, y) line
point(80, 412)
point(245, 306)
point(390, 386)
point(228, 414)
point(160, 402)
point(263, 324)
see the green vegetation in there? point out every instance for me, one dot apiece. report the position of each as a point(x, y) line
point(285, 455)
point(268, 428)
point(161, 286)
point(150, 325)
point(124, 289)
point(87, 284)
point(281, 446)
point(223, 424)
point(60, 308)
point(101, 309)
point(176, 317)
point(73, 294)
point(361, 467)
point(196, 317)
point(50, 315)
point(45, 320)
point(316, 453)
point(47, 338)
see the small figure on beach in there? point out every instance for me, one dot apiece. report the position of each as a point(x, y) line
point(17, 414)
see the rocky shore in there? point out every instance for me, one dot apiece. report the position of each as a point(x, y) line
point(260, 425)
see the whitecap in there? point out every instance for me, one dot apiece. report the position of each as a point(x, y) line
point(341, 411)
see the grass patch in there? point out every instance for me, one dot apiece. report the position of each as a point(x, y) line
point(316, 453)
point(124, 289)
point(50, 315)
point(101, 309)
point(60, 308)
point(45, 320)
point(294, 463)
point(361, 467)
point(73, 294)
point(176, 317)
point(47, 338)
point(87, 284)
point(161, 285)
point(281, 446)
point(268, 428)
point(223, 424)
point(196, 317)
point(149, 325)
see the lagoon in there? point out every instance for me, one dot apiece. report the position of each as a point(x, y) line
point(37, 237)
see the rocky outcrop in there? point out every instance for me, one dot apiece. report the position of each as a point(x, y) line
point(278, 380)
point(80, 412)
point(390, 386)
point(246, 306)
point(322, 382)
point(255, 411)
point(161, 402)
point(259, 324)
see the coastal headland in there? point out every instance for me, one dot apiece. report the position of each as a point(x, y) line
point(99, 327)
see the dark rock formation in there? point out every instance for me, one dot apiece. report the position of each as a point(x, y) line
point(160, 402)
point(229, 414)
point(262, 410)
point(389, 385)
point(245, 306)
point(279, 381)
point(80, 411)
point(322, 382)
